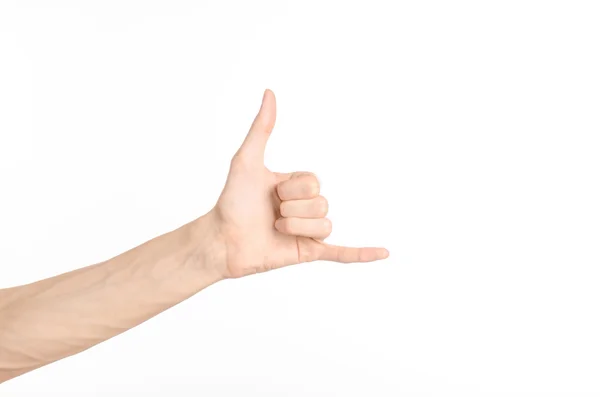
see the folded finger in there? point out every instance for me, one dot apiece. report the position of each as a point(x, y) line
point(314, 228)
point(312, 208)
point(302, 187)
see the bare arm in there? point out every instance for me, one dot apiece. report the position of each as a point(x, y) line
point(263, 220)
point(64, 315)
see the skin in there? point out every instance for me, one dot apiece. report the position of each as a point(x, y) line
point(262, 221)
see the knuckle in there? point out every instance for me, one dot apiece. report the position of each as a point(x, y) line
point(312, 185)
point(237, 157)
point(322, 206)
point(238, 161)
point(327, 227)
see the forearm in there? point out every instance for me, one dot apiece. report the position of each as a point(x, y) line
point(64, 315)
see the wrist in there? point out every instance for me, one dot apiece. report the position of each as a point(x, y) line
point(208, 253)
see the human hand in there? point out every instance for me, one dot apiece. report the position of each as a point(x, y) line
point(266, 220)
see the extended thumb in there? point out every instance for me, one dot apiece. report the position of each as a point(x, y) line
point(256, 141)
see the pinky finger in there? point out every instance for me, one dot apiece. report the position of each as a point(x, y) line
point(336, 253)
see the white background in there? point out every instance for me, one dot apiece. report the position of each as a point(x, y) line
point(463, 136)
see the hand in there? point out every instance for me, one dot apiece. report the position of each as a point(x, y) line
point(267, 220)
